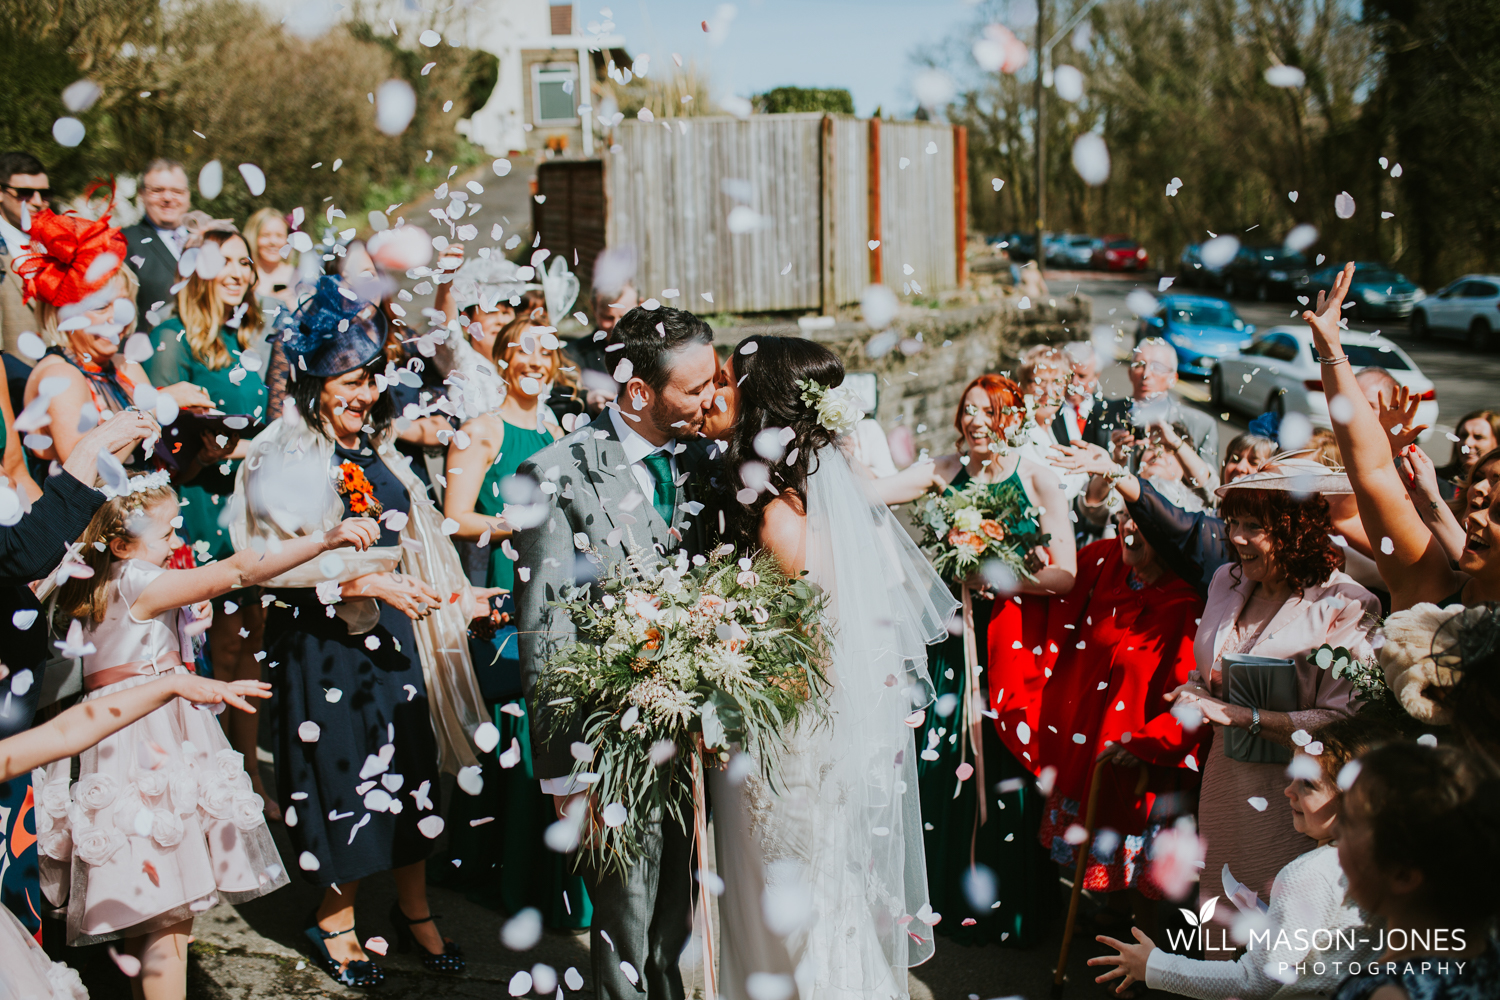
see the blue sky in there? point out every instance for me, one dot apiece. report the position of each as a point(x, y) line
point(864, 45)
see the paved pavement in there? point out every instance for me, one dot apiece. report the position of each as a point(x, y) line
point(1464, 380)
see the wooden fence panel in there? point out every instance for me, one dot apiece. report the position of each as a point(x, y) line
point(673, 193)
point(669, 194)
point(917, 215)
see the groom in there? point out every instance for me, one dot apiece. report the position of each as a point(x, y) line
point(627, 478)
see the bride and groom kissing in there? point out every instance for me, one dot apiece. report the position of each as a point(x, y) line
point(824, 884)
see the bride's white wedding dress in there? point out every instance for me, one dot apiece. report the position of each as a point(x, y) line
point(825, 882)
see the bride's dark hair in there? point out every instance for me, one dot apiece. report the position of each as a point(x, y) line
point(770, 398)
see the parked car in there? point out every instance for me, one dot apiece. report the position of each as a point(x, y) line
point(1200, 329)
point(1264, 273)
point(1121, 253)
point(1377, 292)
point(1072, 251)
point(1019, 246)
point(1279, 371)
point(1469, 306)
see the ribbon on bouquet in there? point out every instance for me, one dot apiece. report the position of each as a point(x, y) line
point(700, 849)
point(973, 718)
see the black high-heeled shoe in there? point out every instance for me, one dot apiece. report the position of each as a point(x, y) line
point(364, 975)
point(450, 960)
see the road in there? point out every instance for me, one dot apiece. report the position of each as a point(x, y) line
point(1464, 380)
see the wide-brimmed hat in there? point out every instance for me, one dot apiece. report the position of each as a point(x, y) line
point(486, 282)
point(334, 331)
point(1293, 475)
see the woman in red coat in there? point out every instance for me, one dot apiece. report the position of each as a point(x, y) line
point(1101, 660)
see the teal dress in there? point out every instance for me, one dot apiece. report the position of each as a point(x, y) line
point(518, 445)
point(1009, 866)
point(204, 498)
point(504, 864)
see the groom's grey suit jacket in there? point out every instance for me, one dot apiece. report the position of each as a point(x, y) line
point(594, 488)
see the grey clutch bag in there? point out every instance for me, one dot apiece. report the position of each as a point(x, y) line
point(1262, 682)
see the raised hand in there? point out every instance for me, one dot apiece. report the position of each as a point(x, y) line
point(1398, 415)
point(406, 594)
point(1330, 309)
point(1129, 963)
point(1088, 458)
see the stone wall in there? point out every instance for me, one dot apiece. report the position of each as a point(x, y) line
point(929, 355)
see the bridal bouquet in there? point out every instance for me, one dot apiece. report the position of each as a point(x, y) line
point(711, 653)
point(964, 530)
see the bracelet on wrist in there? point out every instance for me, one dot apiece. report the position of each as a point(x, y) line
point(1342, 359)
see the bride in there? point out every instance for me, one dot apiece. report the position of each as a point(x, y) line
point(825, 883)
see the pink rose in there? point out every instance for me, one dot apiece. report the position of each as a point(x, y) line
point(95, 845)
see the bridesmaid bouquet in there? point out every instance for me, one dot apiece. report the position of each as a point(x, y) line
point(965, 530)
point(677, 659)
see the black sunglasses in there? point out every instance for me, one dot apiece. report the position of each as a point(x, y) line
point(26, 194)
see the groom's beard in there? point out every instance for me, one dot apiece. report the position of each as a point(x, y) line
point(682, 426)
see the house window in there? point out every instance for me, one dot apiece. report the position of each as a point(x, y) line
point(555, 93)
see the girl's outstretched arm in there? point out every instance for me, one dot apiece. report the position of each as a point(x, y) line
point(82, 726)
point(179, 588)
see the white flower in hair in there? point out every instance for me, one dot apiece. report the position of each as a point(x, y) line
point(836, 407)
point(139, 484)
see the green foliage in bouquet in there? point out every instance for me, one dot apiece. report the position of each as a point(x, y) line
point(729, 652)
point(1367, 679)
point(966, 529)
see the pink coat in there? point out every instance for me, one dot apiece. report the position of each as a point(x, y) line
point(1256, 844)
point(1333, 613)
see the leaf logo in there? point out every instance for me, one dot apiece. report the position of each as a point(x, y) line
point(1204, 914)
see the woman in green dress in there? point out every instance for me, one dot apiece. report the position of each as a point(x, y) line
point(504, 863)
point(991, 881)
point(206, 344)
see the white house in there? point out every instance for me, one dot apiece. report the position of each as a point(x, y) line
point(550, 72)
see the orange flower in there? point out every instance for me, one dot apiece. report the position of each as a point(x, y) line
point(653, 639)
point(993, 529)
point(966, 540)
point(354, 482)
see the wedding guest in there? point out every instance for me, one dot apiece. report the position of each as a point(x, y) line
point(1164, 462)
point(374, 674)
point(95, 379)
point(1078, 416)
point(266, 235)
point(1417, 839)
point(608, 305)
point(1248, 451)
point(159, 239)
point(29, 971)
point(1478, 434)
point(989, 410)
point(1114, 707)
point(505, 863)
point(1409, 558)
point(1282, 596)
point(206, 838)
point(1317, 930)
point(1153, 373)
point(204, 344)
point(24, 190)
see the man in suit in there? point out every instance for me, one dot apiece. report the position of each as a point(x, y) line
point(625, 482)
point(1153, 372)
point(156, 241)
point(23, 186)
point(1077, 418)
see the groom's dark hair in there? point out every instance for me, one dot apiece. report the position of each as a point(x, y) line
point(652, 338)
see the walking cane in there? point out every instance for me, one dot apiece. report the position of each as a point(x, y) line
point(1084, 848)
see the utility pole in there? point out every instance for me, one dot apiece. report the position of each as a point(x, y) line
point(1044, 79)
point(1040, 140)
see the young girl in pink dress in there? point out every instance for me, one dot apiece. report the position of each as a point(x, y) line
point(28, 973)
point(162, 822)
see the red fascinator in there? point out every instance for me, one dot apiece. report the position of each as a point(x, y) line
point(74, 261)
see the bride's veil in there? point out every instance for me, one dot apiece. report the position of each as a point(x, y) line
point(886, 604)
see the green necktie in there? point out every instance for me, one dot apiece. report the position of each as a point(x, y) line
point(665, 496)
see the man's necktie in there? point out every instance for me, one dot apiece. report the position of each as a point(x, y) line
point(664, 498)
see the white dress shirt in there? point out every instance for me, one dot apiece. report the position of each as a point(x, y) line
point(637, 448)
point(16, 242)
point(173, 239)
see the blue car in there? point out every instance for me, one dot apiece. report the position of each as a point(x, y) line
point(1199, 328)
